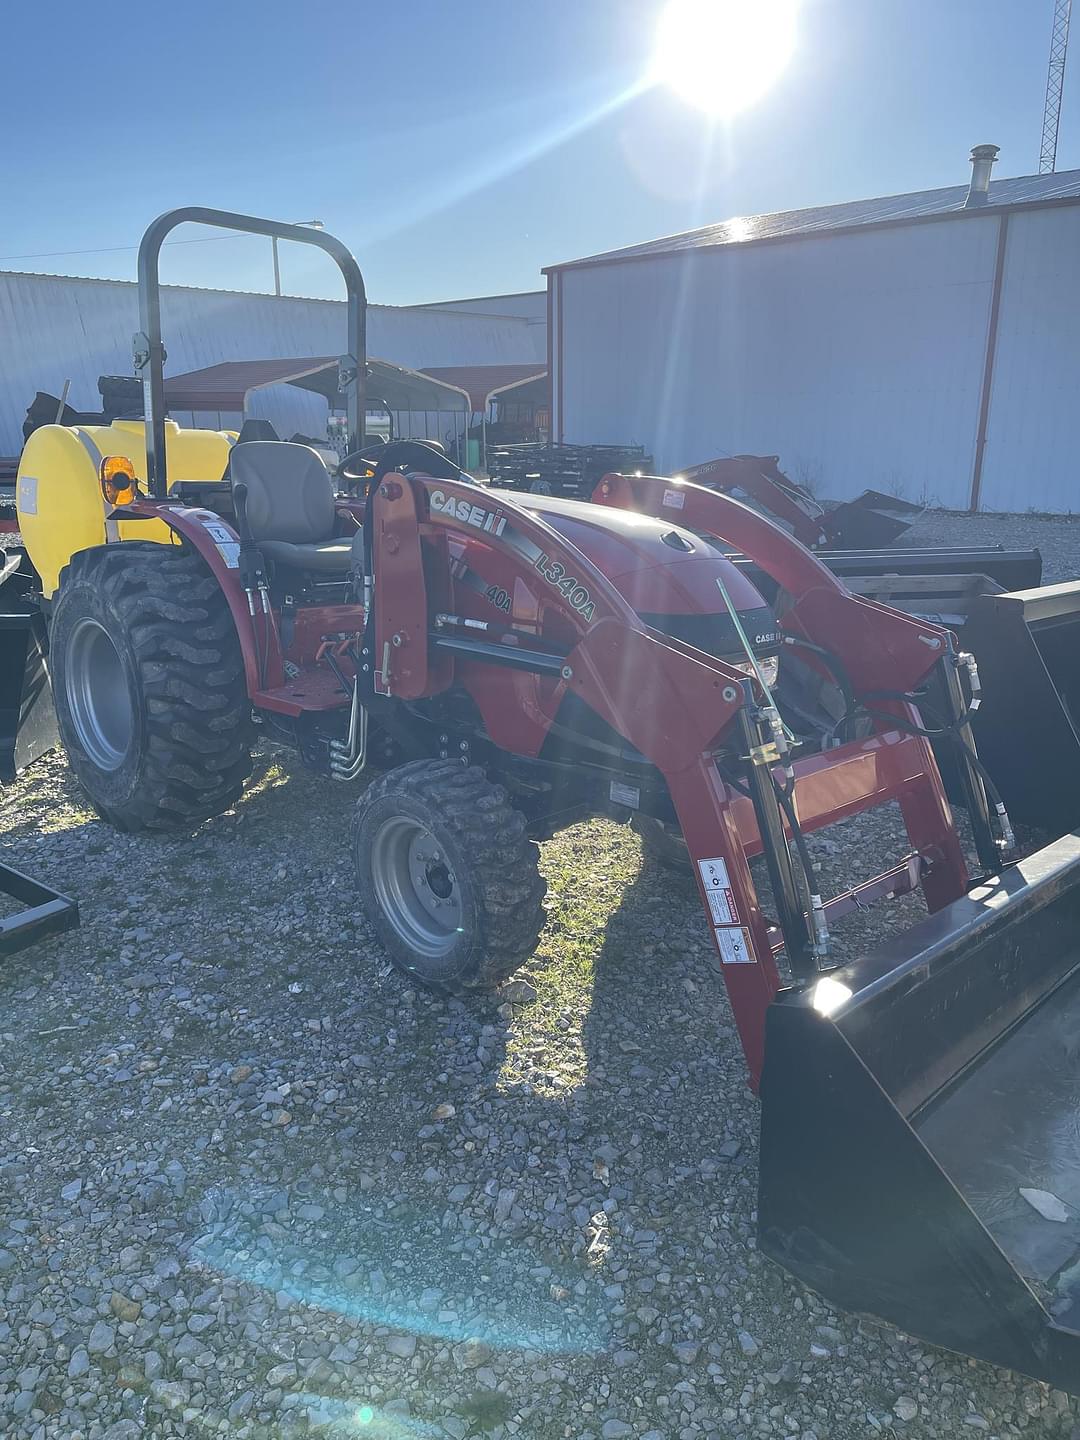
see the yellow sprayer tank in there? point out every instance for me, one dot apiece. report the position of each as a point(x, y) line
point(58, 496)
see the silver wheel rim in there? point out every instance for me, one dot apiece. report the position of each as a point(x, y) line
point(416, 889)
point(97, 695)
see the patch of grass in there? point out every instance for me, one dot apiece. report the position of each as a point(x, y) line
point(488, 1408)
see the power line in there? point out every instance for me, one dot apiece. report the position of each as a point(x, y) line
point(117, 249)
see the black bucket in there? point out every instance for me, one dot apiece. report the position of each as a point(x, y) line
point(1011, 569)
point(27, 720)
point(920, 1129)
point(870, 521)
point(1027, 646)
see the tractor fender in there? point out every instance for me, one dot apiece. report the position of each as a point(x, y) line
point(219, 546)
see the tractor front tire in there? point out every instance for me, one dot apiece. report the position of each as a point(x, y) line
point(148, 682)
point(447, 875)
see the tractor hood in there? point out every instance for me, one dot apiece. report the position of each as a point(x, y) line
point(666, 573)
point(657, 567)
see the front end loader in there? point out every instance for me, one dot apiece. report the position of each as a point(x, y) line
point(511, 664)
point(870, 521)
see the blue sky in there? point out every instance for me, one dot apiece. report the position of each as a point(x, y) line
point(457, 148)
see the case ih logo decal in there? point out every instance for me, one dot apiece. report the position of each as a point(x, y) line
point(468, 513)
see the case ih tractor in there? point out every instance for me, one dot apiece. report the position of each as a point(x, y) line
point(510, 664)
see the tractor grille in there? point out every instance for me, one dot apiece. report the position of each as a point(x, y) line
point(716, 633)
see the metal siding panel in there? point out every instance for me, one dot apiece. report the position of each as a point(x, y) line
point(1031, 460)
point(56, 328)
point(857, 358)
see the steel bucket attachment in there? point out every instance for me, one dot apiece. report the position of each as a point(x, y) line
point(1027, 646)
point(27, 720)
point(1011, 569)
point(871, 520)
point(920, 1133)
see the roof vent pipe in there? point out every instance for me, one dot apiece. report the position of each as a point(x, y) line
point(982, 158)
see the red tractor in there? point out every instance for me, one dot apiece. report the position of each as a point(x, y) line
point(511, 664)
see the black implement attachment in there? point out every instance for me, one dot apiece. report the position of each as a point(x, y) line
point(47, 911)
point(571, 471)
point(1011, 569)
point(27, 730)
point(871, 519)
point(27, 721)
point(920, 1158)
point(1026, 644)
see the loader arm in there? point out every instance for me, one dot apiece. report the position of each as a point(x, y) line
point(777, 495)
point(882, 649)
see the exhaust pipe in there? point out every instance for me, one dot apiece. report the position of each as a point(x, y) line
point(982, 160)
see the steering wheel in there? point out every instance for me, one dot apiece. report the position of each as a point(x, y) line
point(414, 455)
point(358, 466)
point(367, 466)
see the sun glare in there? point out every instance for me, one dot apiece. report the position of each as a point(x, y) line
point(723, 55)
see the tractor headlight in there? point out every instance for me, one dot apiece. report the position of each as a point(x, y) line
point(119, 484)
point(769, 665)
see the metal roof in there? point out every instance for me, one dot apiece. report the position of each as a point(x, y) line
point(482, 382)
point(55, 329)
point(226, 387)
point(891, 209)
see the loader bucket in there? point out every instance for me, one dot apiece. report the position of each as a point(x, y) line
point(27, 720)
point(920, 1130)
point(870, 521)
point(1027, 645)
point(1011, 569)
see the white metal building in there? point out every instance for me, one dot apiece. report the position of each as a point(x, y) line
point(927, 345)
point(55, 328)
point(526, 304)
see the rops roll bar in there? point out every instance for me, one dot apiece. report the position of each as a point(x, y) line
point(150, 352)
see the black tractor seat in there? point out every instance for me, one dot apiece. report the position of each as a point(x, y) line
point(325, 557)
point(291, 508)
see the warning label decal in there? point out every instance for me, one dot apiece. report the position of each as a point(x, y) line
point(714, 877)
point(733, 942)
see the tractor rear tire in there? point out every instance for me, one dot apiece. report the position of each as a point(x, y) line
point(447, 875)
point(148, 682)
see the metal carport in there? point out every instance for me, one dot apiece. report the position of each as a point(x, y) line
point(226, 387)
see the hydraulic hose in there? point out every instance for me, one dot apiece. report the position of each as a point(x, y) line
point(814, 904)
point(816, 916)
point(943, 732)
point(839, 673)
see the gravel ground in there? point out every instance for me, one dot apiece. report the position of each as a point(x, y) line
point(1057, 536)
point(253, 1184)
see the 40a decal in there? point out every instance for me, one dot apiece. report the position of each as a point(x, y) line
point(497, 596)
point(567, 585)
